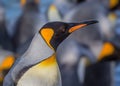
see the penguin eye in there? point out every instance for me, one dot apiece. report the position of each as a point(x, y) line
point(62, 30)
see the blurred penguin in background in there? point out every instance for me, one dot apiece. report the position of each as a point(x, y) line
point(69, 58)
point(5, 41)
point(93, 37)
point(65, 6)
point(114, 5)
point(110, 6)
point(27, 25)
point(116, 42)
point(61, 7)
point(6, 55)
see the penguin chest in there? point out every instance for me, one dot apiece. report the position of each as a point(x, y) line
point(45, 73)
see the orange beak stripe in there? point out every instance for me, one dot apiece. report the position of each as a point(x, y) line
point(76, 27)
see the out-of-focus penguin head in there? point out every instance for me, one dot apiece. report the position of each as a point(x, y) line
point(25, 2)
point(55, 32)
point(2, 12)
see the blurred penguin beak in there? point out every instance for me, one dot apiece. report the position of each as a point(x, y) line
point(76, 26)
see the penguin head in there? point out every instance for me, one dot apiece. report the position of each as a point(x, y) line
point(55, 32)
point(29, 2)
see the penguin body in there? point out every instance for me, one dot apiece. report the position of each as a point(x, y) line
point(40, 55)
point(36, 79)
point(95, 77)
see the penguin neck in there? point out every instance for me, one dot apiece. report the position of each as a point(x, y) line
point(39, 49)
point(37, 52)
point(45, 58)
point(55, 44)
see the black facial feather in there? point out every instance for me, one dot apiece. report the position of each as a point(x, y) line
point(60, 32)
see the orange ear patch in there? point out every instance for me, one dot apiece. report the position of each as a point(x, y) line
point(76, 27)
point(23, 2)
point(107, 50)
point(7, 63)
point(47, 34)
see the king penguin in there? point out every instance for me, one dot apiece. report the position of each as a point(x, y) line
point(38, 66)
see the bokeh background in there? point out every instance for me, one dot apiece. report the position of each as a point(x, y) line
point(16, 16)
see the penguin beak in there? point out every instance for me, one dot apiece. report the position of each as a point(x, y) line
point(76, 26)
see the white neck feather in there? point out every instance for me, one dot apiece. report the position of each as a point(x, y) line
point(37, 52)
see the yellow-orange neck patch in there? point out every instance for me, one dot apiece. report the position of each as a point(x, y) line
point(107, 50)
point(47, 34)
point(49, 61)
